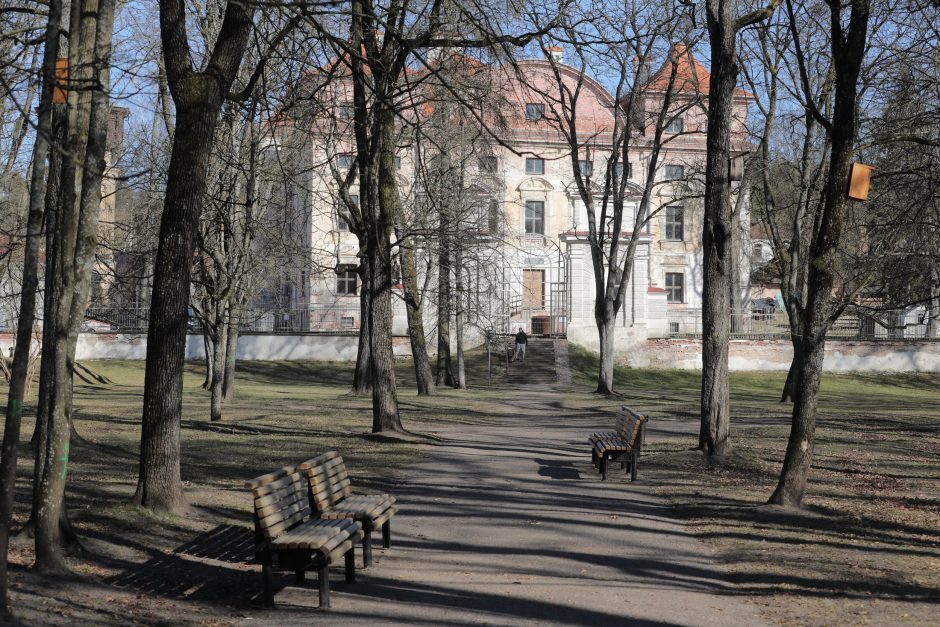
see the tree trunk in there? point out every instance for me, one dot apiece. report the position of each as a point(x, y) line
point(790, 386)
point(231, 354)
point(159, 486)
point(91, 30)
point(445, 374)
point(933, 306)
point(848, 51)
point(808, 363)
point(218, 369)
point(362, 380)
point(459, 315)
point(209, 347)
point(605, 331)
point(714, 433)
point(198, 98)
point(385, 415)
point(419, 350)
point(41, 159)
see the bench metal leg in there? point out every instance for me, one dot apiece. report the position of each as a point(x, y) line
point(366, 549)
point(387, 534)
point(594, 457)
point(633, 464)
point(604, 466)
point(351, 564)
point(324, 577)
point(267, 576)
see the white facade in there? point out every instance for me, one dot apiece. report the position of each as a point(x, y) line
point(540, 274)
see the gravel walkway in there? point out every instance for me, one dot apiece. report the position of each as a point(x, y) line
point(509, 525)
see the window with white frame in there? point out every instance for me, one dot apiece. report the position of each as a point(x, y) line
point(675, 287)
point(345, 161)
point(675, 125)
point(759, 250)
point(675, 224)
point(346, 280)
point(674, 172)
point(586, 167)
point(346, 111)
point(534, 111)
point(535, 217)
point(534, 165)
point(343, 217)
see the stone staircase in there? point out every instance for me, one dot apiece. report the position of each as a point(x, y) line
point(539, 364)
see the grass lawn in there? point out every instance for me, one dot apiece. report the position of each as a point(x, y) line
point(866, 549)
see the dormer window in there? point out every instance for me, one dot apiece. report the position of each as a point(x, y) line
point(674, 127)
point(534, 111)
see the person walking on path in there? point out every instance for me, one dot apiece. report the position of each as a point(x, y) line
point(521, 340)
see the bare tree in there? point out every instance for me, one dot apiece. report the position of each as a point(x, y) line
point(619, 42)
point(30, 282)
point(198, 96)
point(724, 24)
point(70, 260)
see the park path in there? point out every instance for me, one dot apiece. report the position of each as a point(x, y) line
point(509, 525)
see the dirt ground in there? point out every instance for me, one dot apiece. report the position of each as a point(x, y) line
point(866, 550)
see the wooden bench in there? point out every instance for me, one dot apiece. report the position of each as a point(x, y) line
point(331, 495)
point(287, 536)
point(623, 444)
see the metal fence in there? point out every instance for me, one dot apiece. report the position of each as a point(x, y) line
point(891, 325)
point(313, 319)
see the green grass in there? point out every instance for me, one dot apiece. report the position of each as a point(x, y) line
point(870, 531)
point(867, 547)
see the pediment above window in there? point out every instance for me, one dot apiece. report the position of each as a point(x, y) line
point(535, 184)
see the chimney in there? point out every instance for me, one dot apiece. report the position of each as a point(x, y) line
point(556, 53)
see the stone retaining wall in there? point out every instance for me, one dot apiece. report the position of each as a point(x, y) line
point(841, 355)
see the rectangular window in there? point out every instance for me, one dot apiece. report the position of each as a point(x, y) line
point(586, 167)
point(534, 111)
point(347, 111)
point(344, 161)
point(346, 280)
point(675, 172)
point(674, 126)
point(343, 217)
point(488, 164)
point(535, 217)
point(534, 165)
point(347, 322)
point(675, 224)
point(675, 292)
point(620, 170)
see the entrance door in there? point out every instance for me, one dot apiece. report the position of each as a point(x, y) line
point(533, 289)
